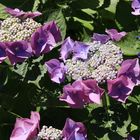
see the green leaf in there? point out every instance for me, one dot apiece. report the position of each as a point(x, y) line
point(130, 45)
point(123, 130)
point(89, 11)
point(21, 69)
point(58, 17)
point(110, 11)
point(36, 5)
point(42, 72)
point(3, 14)
point(112, 6)
point(85, 23)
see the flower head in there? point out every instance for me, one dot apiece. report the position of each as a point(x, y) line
point(56, 70)
point(136, 7)
point(74, 130)
point(131, 69)
point(18, 51)
point(103, 38)
point(120, 88)
point(21, 14)
point(2, 52)
point(82, 92)
point(115, 35)
point(26, 128)
point(101, 63)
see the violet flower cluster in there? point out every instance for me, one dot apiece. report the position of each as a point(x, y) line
point(29, 129)
point(42, 40)
point(81, 91)
point(88, 56)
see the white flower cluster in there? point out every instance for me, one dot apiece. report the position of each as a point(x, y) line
point(50, 133)
point(102, 63)
point(15, 29)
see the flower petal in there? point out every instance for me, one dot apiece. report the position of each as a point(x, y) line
point(66, 48)
point(115, 35)
point(56, 70)
point(103, 38)
point(80, 50)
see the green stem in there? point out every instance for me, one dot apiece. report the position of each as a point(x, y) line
point(106, 104)
point(14, 114)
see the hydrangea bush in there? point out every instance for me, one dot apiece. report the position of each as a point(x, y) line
point(70, 70)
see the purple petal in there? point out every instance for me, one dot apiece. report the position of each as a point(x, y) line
point(42, 42)
point(26, 128)
point(54, 30)
point(80, 50)
point(135, 4)
point(66, 48)
point(14, 12)
point(95, 92)
point(115, 35)
point(2, 52)
point(31, 14)
point(120, 88)
point(136, 12)
point(131, 69)
point(130, 138)
point(82, 92)
point(100, 37)
point(56, 70)
point(18, 51)
point(74, 130)
point(72, 96)
point(21, 14)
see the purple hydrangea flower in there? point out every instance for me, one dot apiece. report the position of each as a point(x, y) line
point(45, 39)
point(82, 92)
point(54, 30)
point(80, 50)
point(26, 128)
point(131, 69)
point(115, 35)
point(103, 38)
point(2, 52)
point(120, 88)
point(66, 49)
point(74, 130)
point(56, 70)
point(18, 51)
point(42, 42)
point(136, 7)
point(21, 14)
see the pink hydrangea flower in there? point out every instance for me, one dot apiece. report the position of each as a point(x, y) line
point(82, 92)
point(26, 129)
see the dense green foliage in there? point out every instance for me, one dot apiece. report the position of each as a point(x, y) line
point(27, 87)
